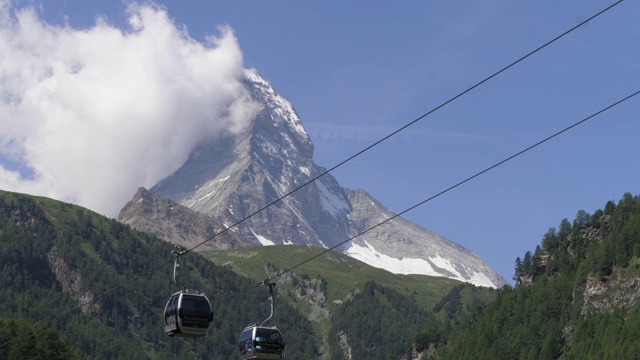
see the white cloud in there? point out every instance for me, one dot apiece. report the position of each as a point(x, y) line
point(95, 113)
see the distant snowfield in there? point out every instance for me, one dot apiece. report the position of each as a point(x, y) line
point(407, 266)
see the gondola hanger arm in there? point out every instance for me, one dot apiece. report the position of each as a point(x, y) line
point(270, 284)
point(178, 251)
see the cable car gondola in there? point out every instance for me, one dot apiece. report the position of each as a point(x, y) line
point(262, 342)
point(188, 313)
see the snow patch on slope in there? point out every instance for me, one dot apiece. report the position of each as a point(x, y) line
point(482, 280)
point(330, 202)
point(368, 254)
point(263, 240)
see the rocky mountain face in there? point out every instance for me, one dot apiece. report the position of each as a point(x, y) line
point(259, 175)
point(177, 224)
point(404, 247)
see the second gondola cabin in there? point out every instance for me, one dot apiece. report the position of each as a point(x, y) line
point(187, 314)
point(261, 343)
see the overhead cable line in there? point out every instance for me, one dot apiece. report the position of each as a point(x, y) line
point(334, 167)
point(288, 270)
point(412, 122)
point(452, 187)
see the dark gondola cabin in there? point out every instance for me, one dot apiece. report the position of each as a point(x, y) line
point(260, 342)
point(187, 314)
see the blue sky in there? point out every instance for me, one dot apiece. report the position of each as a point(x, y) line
point(356, 71)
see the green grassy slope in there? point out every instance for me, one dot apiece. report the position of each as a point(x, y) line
point(343, 274)
point(331, 284)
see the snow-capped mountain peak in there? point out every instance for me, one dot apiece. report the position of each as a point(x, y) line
point(232, 178)
point(281, 109)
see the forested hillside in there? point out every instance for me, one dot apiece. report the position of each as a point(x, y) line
point(576, 297)
point(34, 342)
point(60, 264)
point(93, 279)
point(360, 312)
point(74, 284)
point(376, 323)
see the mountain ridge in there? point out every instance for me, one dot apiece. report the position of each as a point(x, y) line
point(177, 224)
point(260, 179)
